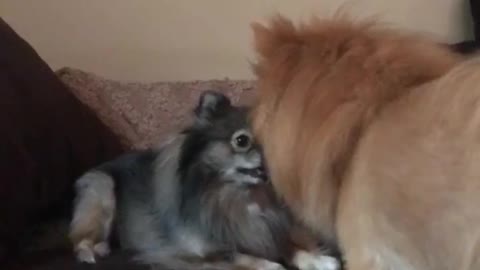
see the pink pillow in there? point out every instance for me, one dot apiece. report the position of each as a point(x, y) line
point(144, 114)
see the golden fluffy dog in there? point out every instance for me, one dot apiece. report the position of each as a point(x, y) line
point(372, 136)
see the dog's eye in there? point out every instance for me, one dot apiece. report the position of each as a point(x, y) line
point(241, 140)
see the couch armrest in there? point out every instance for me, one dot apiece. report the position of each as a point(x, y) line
point(48, 138)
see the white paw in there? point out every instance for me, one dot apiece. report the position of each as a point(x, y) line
point(251, 262)
point(102, 249)
point(86, 256)
point(85, 251)
point(268, 265)
point(312, 261)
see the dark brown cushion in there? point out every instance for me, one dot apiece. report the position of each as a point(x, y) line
point(471, 46)
point(47, 139)
point(63, 260)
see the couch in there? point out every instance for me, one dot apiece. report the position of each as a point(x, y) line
point(56, 125)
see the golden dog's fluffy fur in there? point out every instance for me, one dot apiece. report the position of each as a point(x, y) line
point(372, 136)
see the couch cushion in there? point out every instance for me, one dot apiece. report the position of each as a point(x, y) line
point(144, 114)
point(48, 138)
point(62, 259)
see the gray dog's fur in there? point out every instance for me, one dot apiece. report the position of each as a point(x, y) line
point(200, 194)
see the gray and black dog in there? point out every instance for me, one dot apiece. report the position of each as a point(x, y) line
point(200, 201)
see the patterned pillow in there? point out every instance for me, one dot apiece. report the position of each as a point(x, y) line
point(144, 114)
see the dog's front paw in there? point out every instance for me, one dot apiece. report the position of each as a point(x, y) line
point(101, 249)
point(251, 262)
point(86, 256)
point(268, 265)
point(85, 251)
point(314, 261)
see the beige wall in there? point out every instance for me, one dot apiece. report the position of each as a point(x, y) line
point(189, 39)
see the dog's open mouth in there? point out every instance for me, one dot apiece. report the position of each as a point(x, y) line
point(258, 172)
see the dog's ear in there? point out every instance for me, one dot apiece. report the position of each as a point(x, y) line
point(267, 39)
point(211, 105)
